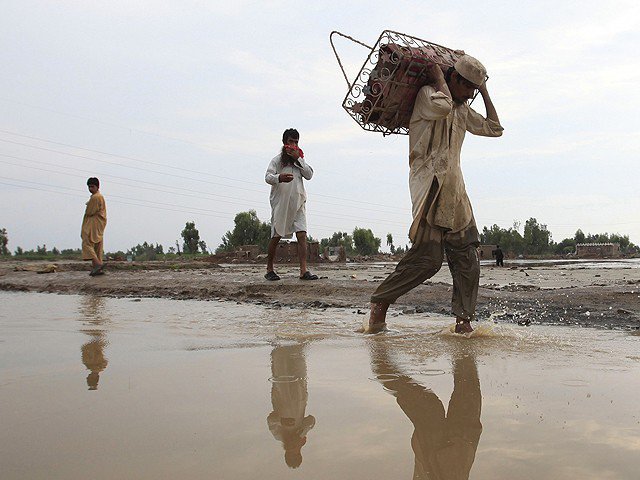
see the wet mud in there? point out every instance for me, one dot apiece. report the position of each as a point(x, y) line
point(591, 294)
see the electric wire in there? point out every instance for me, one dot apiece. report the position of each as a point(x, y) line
point(127, 201)
point(244, 205)
point(261, 192)
point(157, 164)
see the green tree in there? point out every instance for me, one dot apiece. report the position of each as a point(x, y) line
point(509, 240)
point(390, 243)
point(365, 242)
point(536, 237)
point(248, 230)
point(339, 239)
point(203, 247)
point(19, 251)
point(145, 251)
point(4, 241)
point(623, 240)
point(568, 245)
point(191, 237)
point(579, 236)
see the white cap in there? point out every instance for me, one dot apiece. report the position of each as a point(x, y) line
point(471, 69)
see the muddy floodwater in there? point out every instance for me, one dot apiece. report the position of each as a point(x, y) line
point(130, 388)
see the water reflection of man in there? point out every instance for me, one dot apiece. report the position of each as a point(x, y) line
point(91, 311)
point(93, 358)
point(287, 422)
point(444, 445)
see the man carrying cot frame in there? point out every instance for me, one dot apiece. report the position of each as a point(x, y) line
point(443, 219)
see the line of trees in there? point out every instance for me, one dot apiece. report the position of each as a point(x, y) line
point(191, 245)
point(361, 241)
point(250, 230)
point(537, 240)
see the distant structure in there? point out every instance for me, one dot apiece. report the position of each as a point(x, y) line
point(484, 252)
point(597, 250)
point(248, 252)
point(335, 254)
point(287, 252)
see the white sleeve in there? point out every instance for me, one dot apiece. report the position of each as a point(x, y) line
point(272, 177)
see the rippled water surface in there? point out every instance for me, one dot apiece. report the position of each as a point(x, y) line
point(150, 389)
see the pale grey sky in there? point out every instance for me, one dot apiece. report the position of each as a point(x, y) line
point(178, 107)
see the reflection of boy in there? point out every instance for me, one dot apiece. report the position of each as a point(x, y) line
point(287, 422)
point(93, 358)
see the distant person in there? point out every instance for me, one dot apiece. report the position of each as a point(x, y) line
point(442, 216)
point(288, 197)
point(93, 225)
point(499, 256)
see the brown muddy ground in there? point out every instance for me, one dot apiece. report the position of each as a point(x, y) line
point(602, 294)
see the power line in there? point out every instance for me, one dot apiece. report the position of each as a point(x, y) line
point(125, 157)
point(156, 164)
point(116, 125)
point(261, 192)
point(162, 206)
point(332, 216)
point(116, 201)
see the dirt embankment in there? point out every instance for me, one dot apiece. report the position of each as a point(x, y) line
point(550, 294)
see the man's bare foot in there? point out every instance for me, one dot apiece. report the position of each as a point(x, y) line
point(463, 326)
point(376, 321)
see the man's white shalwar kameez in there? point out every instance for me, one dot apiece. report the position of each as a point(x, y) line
point(288, 199)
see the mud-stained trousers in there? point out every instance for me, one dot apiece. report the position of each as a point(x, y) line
point(424, 259)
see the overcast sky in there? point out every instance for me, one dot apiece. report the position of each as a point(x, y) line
point(178, 108)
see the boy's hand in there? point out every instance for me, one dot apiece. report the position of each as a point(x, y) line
point(294, 152)
point(285, 177)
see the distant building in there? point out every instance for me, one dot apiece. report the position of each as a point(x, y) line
point(597, 250)
point(287, 252)
point(249, 252)
point(335, 254)
point(485, 252)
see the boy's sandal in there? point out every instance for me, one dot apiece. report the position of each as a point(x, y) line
point(308, 276)
point(271, 276)
point(97, 270)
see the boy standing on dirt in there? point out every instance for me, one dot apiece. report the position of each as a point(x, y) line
point(93, 225)
point(288, 198)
